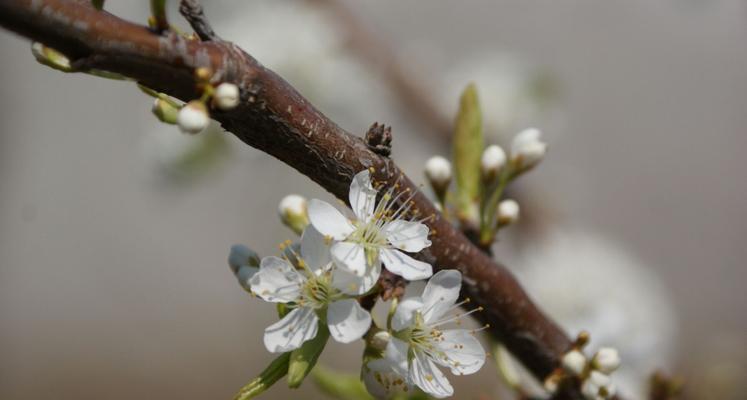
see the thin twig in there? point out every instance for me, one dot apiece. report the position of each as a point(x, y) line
point(192, 11)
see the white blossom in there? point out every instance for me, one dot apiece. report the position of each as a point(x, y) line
point(635, 315)
point(438, 171)
point(377, 234)
point(492, 161)
point(606, 360)
point(597, 386)
point(293, 211)
point(317, 289)
point(193, 117)
point(380, 340)
point(381, 381)
point(508, 212)
point(527, 149)
point(292, 204)
point(226, 96)
point(419, 344)
point(574, 362)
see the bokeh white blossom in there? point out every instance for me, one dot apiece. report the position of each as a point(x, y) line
point(587, 282)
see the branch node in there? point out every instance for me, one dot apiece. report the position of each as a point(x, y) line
point(379, 139)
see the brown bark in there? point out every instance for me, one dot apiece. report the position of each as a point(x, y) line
point(275, 118)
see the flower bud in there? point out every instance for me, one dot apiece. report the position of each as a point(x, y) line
point(164, 111)
point(203, 74)
point(293, 212)
point(50, 57)
point(599, 379)
point(226, 96)
point(551, 384)
point(574, 362)
point(244, 274)
point(193, 117)
point(438, 172)
point(527, 149)
point(380, 340)
point(244, 263)
point(508, 212)
point(597, 386)
point(242, 256)
point(606, 360)
point(609, 390)
point(492, 161)
point(590, 391)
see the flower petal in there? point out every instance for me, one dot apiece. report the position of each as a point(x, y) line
point(329, 220)
point(404, 315)
point(352, 284)
point(314, 248)
point(276, 281)
point(362, 196)
point(426, 375)
point(407, 235)
point(349, 256)
point(380, 380)
point(289, 333)
point(463, 353)
point(347, 320)
point(440, 294)
point(396, 356)
point(525, 138)
point(405, 266)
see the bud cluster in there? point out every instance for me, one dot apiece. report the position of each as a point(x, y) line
point(194, 116)
point(593, 374)
point(496, 170)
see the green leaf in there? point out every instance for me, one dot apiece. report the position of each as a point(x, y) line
point(303, 359)
point(340, 386)
point(276, 370)
point(467, 147)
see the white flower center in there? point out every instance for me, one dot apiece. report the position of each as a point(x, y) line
point(427, 338)
point(317, 292)
point(423, 338)
point(370, 234)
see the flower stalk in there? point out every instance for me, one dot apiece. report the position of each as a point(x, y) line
point(276, 370)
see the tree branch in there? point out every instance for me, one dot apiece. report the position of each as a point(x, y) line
point(274, 118)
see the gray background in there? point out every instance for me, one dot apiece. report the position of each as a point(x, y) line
point(112, 287)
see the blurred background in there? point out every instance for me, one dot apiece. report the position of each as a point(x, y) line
point(114, 228)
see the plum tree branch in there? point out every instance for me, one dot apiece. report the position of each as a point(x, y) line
point(275, 118)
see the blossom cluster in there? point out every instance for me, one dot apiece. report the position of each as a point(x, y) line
point(339, 260)
point(593, 374)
